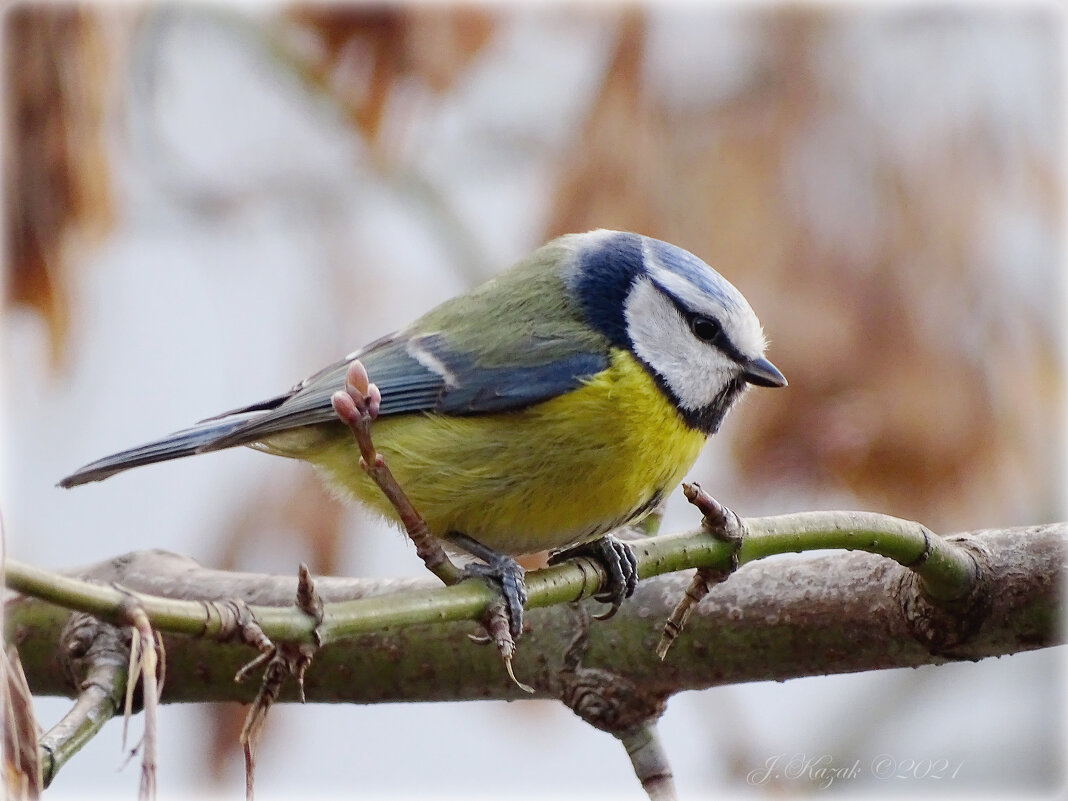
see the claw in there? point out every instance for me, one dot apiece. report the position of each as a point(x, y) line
point(611, 613)
point(507, 574)
point(524, 687)
point(619, 563)
point(497, 625)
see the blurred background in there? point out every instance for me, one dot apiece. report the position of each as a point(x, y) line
point(205, 203)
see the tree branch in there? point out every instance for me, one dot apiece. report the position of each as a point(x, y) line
point(174, 609)
point(772, 620)
point(97, 657)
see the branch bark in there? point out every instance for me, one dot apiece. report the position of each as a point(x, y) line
point(773, 619)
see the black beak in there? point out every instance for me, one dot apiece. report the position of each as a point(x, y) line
point(763, 373)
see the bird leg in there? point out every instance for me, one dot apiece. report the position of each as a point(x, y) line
point(500, 569)
point(619, 563)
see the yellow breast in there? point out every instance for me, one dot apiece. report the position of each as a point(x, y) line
point(559, 472)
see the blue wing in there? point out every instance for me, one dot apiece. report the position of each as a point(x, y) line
point(421, 373)
point(414, 373)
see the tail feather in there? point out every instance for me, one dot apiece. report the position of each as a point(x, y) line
point(189, 441)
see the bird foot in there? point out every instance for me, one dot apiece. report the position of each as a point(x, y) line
point(500, 570)
point(618, 560)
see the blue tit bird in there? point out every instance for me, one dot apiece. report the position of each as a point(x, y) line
point(542, 410)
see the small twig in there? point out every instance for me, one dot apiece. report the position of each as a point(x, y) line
point(311, 604)
point(143, 665)
point(249, 668)
point(615, 704)
point(309, 601)
point(287, 660)
point(18, 743)
point(649, 760)
point(22, 774)
point(95, 657)
point(358, 406)
point(282, 661)
point(273, 677)
point(724, 525)
point(696, 590)
point(133, 674)
point(250, 770)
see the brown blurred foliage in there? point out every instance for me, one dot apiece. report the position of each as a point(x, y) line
point(364, 53)
point(56, 182)
point(887, 400)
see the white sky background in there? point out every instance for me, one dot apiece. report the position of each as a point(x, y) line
point(239, 198)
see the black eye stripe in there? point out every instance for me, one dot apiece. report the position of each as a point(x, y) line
point(721, 342)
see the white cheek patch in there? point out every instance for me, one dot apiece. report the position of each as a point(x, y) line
point(695, 371)
point(728, 306)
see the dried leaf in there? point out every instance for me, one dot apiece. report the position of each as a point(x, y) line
point(56, 186)
point(22, 775)
point(361, 54)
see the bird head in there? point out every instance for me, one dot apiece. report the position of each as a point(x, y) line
point(685, 323)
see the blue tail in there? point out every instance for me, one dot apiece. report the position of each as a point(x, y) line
point(186, 442)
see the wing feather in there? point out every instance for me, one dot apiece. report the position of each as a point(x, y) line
point(423, 374)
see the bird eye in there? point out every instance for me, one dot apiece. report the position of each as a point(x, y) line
point(705, 328)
